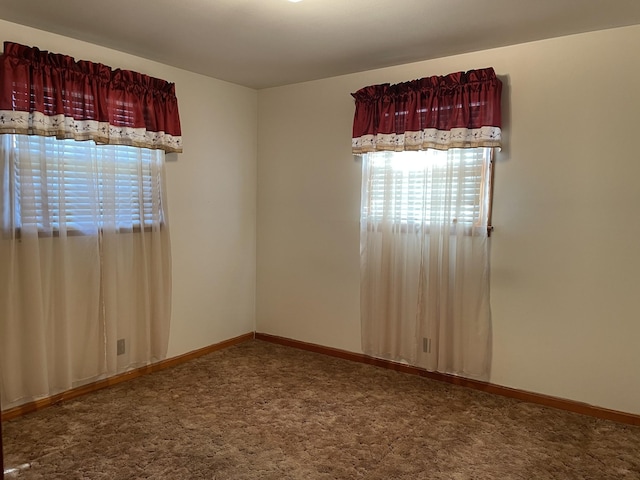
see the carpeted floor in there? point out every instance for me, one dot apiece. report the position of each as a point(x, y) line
point(263, 411)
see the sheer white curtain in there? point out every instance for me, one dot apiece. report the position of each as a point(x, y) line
point(84, 262)
point(425, 259)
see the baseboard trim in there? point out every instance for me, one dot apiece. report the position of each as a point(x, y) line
point(123, 377)
point(523, 395)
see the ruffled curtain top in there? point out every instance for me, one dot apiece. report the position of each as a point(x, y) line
point(48, 94)
point(459, 110)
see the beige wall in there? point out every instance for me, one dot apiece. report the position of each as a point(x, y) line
point(565, 278)
point(565, 262)
point(211, 194)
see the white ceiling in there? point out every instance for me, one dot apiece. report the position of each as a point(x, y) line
point(265, 43)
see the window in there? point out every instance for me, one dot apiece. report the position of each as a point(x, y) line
point(77, 187)
point(74, 280)
point(420, 189)
point(425, 219)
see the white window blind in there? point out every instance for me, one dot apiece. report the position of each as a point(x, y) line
point(67, 185)
point(428, 187)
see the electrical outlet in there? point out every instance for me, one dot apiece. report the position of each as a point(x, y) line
point(120, 346)
point(426, 345)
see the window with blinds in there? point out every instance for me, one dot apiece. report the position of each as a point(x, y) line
point(79, 187)
point(431, 187)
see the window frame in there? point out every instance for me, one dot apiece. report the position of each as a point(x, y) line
point(152, 177)
point(406, 226)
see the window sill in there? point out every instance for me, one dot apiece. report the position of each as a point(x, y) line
point(17, 233)
point(412, 228)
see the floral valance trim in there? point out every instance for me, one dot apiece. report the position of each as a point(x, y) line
point(61, 127)
point(429, 138)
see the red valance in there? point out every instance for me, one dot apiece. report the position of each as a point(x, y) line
point(49, 94)
point(459, 110)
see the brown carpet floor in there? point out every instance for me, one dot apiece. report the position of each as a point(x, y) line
point(263, 411)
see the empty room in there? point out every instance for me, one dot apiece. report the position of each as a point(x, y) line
point(320, 239)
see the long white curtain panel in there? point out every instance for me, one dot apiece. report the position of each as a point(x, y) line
point(85, 282)
point(425, 259)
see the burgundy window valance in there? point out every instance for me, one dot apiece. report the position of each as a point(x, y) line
point(49, 94)
point(459, 110)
